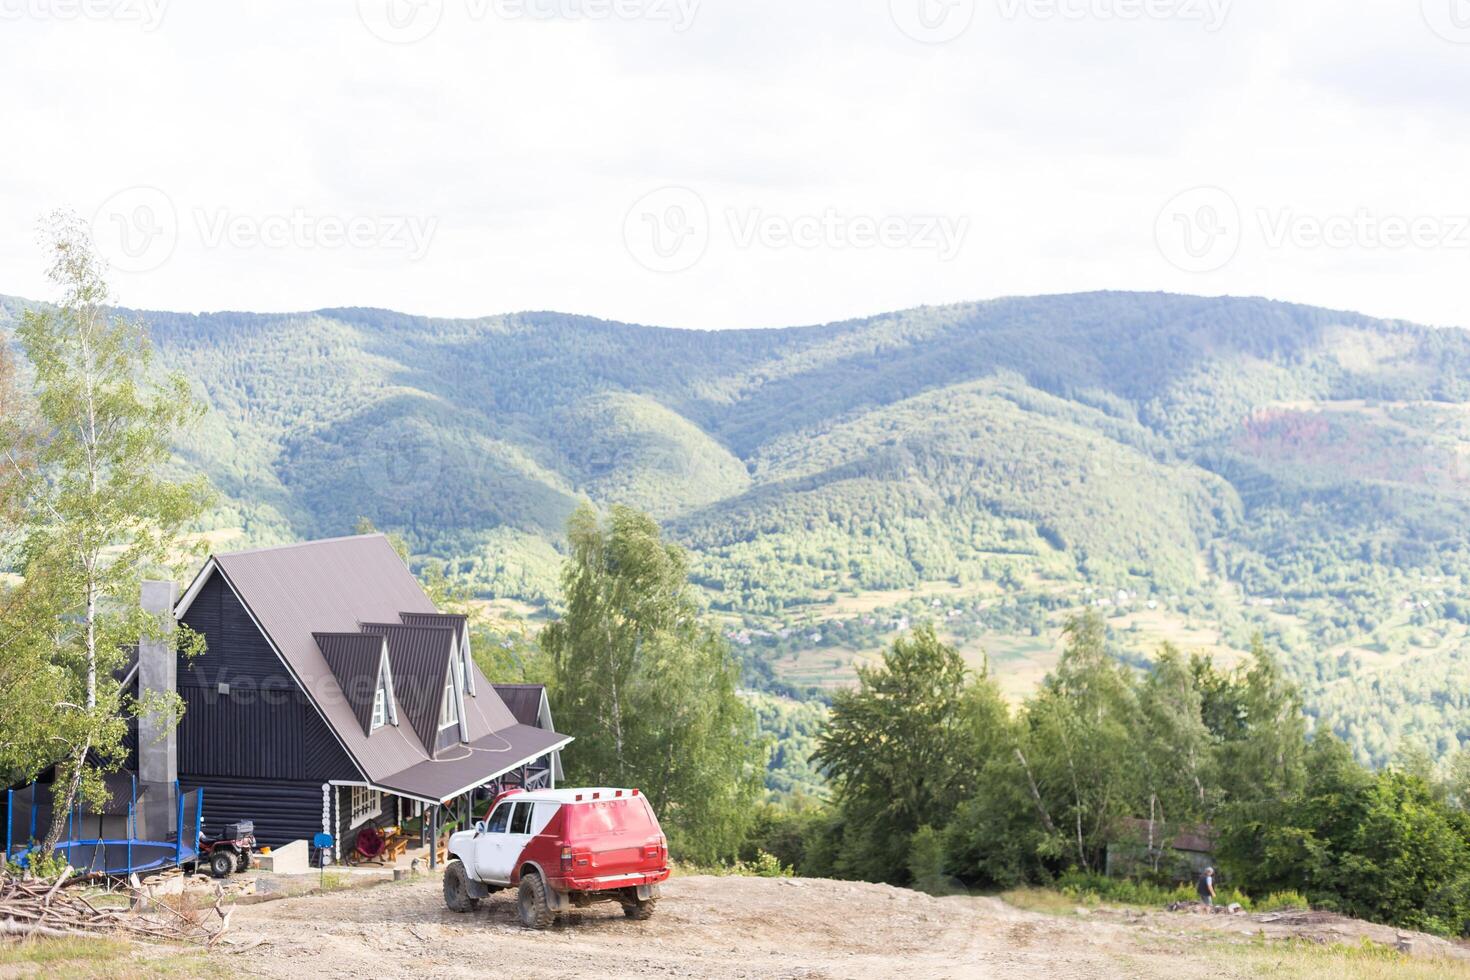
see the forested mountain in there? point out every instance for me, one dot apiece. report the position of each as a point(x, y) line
point(1202, 469)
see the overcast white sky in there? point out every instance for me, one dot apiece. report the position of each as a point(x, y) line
point(724, 163)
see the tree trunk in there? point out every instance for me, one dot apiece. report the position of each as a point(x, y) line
point(61, 806)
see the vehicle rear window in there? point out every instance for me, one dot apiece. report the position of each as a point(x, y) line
point(627, 815)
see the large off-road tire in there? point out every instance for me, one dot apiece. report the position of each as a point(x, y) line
point(221, 864)
point(242, 863)
point(639, 910)
point(531, 902)
point(457, 889)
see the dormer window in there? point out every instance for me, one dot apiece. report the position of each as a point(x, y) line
point(384, 710)
point(449, 709)
point(380, 706)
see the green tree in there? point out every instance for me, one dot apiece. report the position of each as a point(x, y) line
point(1077, 746)
point(103, 514)
point(1175, 752)
point(897, 752)
point(648, 689)
point(1379, 846)
point(28, 681)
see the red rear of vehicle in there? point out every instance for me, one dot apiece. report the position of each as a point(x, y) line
point(610, 843)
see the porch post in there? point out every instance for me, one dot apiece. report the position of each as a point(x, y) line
point(433, 837)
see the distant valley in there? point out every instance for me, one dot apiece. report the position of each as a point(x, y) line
point(1199, 469)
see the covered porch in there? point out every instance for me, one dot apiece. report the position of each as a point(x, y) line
point(412, 813)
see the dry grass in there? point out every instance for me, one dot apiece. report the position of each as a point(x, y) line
point(98, 957)
point(1301, 960)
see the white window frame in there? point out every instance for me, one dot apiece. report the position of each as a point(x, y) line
point(364, 804)
point(449, 703)
point(380, 707)
point(385, 712)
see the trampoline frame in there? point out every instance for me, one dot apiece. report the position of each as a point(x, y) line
point(184, 847)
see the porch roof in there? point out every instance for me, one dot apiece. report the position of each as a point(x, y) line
point(462, 768)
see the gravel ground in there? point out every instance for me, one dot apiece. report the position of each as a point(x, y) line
point(704, 927)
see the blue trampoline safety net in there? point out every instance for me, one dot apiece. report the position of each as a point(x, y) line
point(141, 827)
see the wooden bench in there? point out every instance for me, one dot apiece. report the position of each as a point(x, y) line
point(394, 848)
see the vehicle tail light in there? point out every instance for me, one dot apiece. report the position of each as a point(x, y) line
point(566, 859)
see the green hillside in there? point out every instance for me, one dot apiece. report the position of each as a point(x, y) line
point(1201, 469)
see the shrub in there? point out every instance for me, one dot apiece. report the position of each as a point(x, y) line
point(1277, 901)
point(926, 858)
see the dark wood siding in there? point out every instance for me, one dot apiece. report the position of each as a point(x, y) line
point(263, 727)
point(282, 811)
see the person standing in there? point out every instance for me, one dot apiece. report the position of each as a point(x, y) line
point(1206, 887)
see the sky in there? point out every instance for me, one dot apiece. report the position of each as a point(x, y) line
point(741, 163)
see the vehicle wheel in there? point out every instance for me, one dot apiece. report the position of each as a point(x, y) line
point(639, 910)
point(531, 900)
point(221, 864)
point(457, 889)
point(242, 863)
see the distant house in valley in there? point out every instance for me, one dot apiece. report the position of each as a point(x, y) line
point(1154, 847)
point(333, 694)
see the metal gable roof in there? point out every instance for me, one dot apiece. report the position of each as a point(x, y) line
point(420, 658)
point(333, 587)
point(456, 621)
point(524, 701)
point(356, 660)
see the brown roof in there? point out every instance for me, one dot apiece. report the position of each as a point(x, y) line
point(355, 659)
point(419, 657)
point(497, 753)
point(334, 587)
point(523, 700)
point(1189, 837)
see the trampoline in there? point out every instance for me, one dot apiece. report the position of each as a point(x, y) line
point(142, 827)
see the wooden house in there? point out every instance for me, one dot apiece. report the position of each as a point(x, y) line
point(333, 694)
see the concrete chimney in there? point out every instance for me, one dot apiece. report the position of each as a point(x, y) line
point(158, 750)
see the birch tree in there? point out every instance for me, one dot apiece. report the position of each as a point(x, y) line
point(103, 513)
point(647, 688)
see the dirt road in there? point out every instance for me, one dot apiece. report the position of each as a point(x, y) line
point(720, 927)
